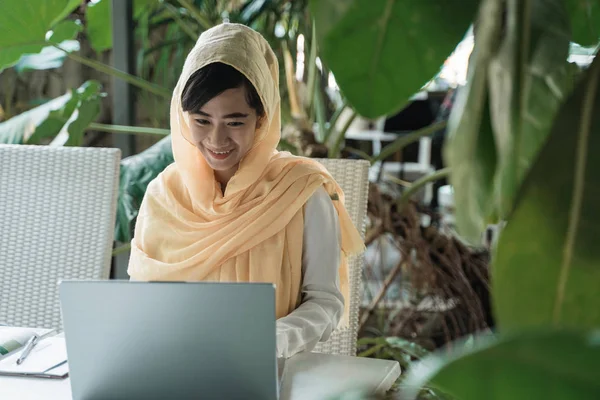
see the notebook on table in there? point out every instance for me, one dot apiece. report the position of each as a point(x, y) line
point(48, 359)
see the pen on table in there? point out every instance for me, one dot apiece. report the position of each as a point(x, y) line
point(28, 347)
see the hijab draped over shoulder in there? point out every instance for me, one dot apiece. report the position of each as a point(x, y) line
point(188, 230)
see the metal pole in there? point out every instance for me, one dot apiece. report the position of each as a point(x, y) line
point(123, 56)
point(123, 98)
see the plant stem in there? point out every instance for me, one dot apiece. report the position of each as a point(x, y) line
point(334, 118)
point(372, 350)
point(107, 69)
point(359, 153)
point(386, 284)
point(334, 151)
point(204, 22)
point(404, 141)
point(296, 108)
point(164, 44)
point(121, 249)
point(312, 69)
point(419, 183)
point(319, 107)
point(134, 130)
point(184, 26)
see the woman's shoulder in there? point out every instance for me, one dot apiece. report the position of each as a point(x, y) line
point(167, 184)
point(284, 157)
point(300, 166)
point(166, 176)
point(167, 192)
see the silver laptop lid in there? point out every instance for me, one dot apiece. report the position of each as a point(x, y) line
point(159, 340)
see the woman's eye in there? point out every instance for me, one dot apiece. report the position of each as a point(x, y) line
point(235, 123)
point(202, 121)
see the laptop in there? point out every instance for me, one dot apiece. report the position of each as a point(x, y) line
point(170, 340)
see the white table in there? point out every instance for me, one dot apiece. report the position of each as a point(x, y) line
point(310, 376)
point(306, 376)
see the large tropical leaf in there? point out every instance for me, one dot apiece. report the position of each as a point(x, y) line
point(99, 21)
point(69, 121)
point(529, 78)
point(55, 121)
point(67, 9)
point(99, 25)
point(546, 269)
point(136, 173)
point(470, 150)
point(382, 52)
point(88, 108)
point(585, 21)
point(65, 30)
point(19, 128)
point(24, 26)
point(546, 365)
point(49, 58)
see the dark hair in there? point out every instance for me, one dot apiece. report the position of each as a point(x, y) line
point(212, 80)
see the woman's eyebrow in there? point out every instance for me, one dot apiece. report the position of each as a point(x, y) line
point(232, 115)
point(235, 115)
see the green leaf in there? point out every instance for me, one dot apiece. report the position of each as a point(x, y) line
point(411, 348)
point(179, 20)
point(65, 30)
point(67, 124)
point(252, 10)
point(71, 5)
point(382, 52)
point(203, 18)
point(99, 25)
point(136, 173)
point(55, 121)
point(99, 21)
point(142, 6)
point(19, 128)
point(529, 78)
point(24, 26)
point(470, 151)
point(546, 365)
point(319, 105)
point(546, 268)
point(370, 340)
point(87, 112)
point(90, 90)
point(49, 58)
point(585, 21)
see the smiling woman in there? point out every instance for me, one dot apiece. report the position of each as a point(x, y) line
point(234, 209)
point(223, 110)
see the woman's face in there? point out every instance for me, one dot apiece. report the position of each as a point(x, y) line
point(223, 130)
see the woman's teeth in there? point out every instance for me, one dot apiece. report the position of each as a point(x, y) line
point(220, 155)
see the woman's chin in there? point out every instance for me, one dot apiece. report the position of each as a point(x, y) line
point(223, 165)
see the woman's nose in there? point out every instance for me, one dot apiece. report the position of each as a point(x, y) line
point(218, 135)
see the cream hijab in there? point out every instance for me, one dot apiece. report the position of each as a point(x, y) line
point(187, 230)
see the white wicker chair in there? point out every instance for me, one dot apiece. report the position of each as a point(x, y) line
point(352, 176)
point(57, 212)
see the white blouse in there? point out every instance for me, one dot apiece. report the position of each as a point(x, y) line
point(322, 303)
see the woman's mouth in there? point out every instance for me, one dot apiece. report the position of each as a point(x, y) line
point(220, 155)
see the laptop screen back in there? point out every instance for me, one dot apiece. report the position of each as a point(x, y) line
point(140, 340)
